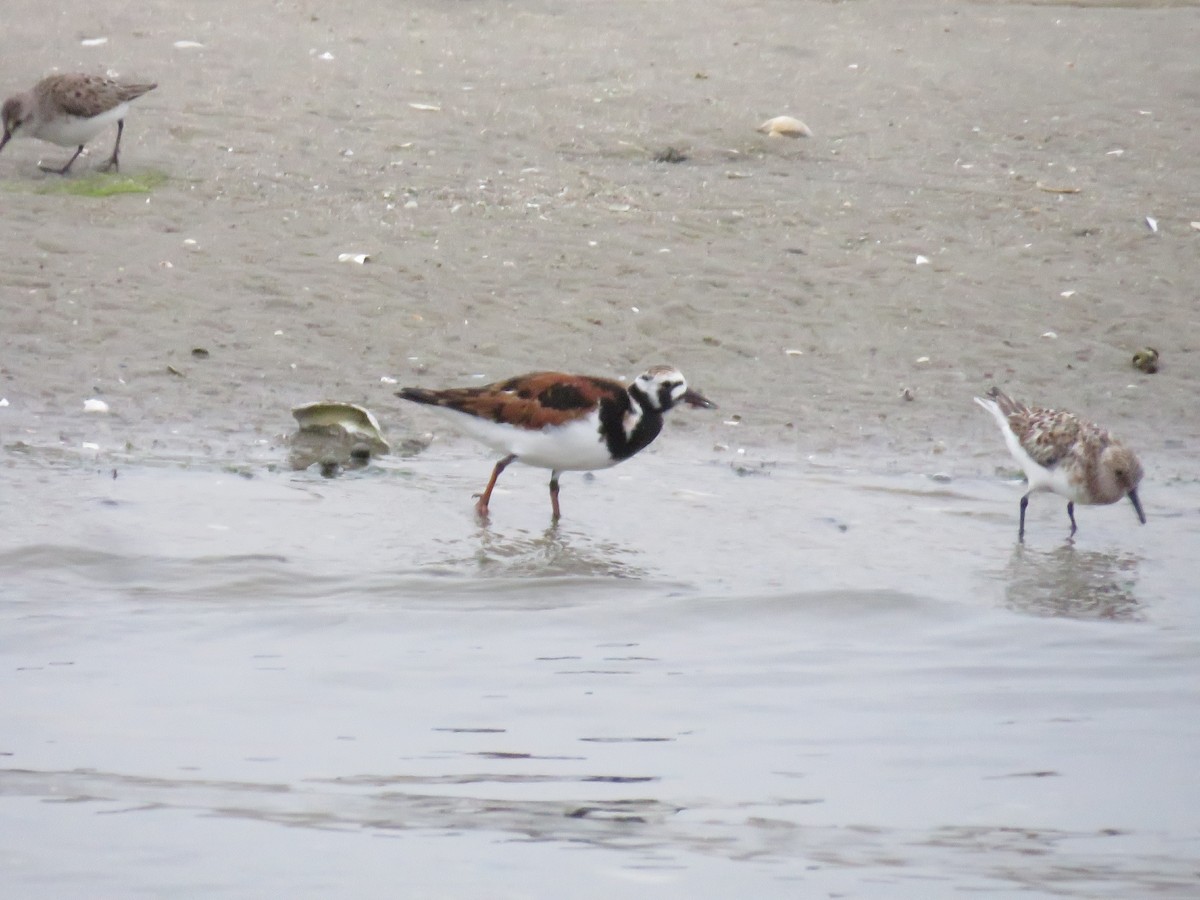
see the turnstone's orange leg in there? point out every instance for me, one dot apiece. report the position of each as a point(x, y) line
point(64, 169)
point(481, 507)
point(554, 495)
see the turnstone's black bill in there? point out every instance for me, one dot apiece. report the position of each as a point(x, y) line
point(562, 422)
point(1065, 455)
point(70, 110)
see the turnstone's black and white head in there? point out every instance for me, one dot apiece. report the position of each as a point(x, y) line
point(662, 387)
point(562, 422)
point(1064, 454)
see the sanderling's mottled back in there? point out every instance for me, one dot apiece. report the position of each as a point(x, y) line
point(70, 110)
point(1062, 453)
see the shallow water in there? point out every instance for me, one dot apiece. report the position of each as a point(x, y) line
point(703, 683)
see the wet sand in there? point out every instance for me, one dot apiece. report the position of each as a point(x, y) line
point(792, 644)
point(524, 224)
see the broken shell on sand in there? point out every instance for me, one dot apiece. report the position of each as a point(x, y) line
point(1146, 360)
point(785, 126)
point(353, 420)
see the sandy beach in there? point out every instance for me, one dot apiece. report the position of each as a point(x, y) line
point(794, 643)
point(972, 208)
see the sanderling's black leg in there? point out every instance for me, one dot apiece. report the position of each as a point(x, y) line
point(64, 169)
point(111, 162)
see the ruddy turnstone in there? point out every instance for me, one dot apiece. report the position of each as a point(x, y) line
point(1065, 455)
point(70, 110)
point(562, 422)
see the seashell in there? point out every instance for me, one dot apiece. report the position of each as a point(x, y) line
point(95, 405)
point(785, 126)
point(1146, 360)
point(352, 420)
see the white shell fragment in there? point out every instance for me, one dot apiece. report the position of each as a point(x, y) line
point(785, 126)
point(922, 260)
point(187, 45)
point(356, 421)
point(93, 42)
point(425, 107)
point(359, 258)
point(95, 405)
point(1152, 224)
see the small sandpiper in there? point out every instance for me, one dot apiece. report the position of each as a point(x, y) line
point(70, 110)
point(562, 422)
point(1065, 455)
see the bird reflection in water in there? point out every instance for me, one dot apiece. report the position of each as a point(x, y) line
point(553, 553)
point(1071, 583)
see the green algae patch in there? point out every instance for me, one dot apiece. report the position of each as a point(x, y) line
point(101, 184)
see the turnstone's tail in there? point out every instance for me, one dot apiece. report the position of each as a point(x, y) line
point(419, 395)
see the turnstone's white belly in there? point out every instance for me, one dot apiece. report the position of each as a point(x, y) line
point(575, 446)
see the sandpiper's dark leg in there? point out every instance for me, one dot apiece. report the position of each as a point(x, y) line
point(554, 494)
point(1071, 516)
point(1021, 529)
point(481, 507)
point(111, 162)
point(64, 169)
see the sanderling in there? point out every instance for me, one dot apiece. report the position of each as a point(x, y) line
point(70, 110)
point(1063, 454)
point(562, 422)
